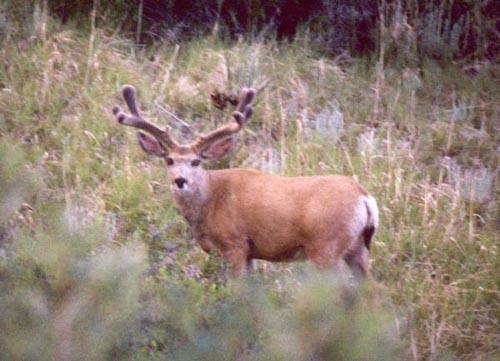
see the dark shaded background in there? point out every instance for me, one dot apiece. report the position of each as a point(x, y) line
point(336, 26)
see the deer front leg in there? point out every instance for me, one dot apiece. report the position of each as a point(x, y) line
point(237, 256)
point(206, 244)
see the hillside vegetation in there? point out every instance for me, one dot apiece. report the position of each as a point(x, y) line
point(96, 264)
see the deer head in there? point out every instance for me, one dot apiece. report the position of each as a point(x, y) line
point(184, 161)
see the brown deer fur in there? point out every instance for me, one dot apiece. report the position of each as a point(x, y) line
point(245, 214)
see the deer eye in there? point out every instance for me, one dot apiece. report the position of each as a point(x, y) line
point(196, 162)
point(170, 161)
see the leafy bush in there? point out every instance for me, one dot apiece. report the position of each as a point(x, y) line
point(70, 295)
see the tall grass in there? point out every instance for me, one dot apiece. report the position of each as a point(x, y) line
point(120, 276)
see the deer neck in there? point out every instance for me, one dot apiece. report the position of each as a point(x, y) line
point(192, 205)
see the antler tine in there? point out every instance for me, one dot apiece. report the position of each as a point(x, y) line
point(135, 120)
point(241, 116)
point(247, 99)
point(244, 109)
point(128, 92)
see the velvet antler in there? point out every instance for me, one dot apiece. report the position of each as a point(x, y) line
point(241, 115)
point(137, 121)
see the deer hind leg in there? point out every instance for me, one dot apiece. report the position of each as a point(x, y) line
point(330, 256)
point(358, 262)
point(327, 255)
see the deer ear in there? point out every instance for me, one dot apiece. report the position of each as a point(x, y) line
point(150, 145)
point(218, 149)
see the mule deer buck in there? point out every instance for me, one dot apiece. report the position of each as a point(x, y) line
point(245, 214)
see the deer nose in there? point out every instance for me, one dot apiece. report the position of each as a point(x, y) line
point(180, 182)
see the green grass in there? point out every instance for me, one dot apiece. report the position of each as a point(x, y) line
point(434, 138)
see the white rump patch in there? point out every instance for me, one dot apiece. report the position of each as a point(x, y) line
point(371, 203)
point(365, 214)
